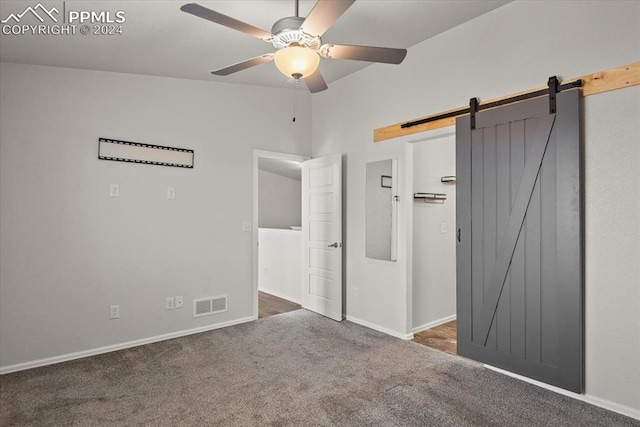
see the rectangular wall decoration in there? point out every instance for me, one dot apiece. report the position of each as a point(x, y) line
point(381, 225)
point(135, 152)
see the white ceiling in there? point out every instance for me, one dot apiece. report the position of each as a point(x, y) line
point(159, 39)
point(289, 168)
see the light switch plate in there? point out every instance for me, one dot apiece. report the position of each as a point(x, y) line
point(114, 312)
point(443, 227)
point(246, 226)
point(171, 193)
point(114, 190)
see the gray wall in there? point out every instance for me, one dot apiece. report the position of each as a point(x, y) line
point(279, 201)
point(69, 251)
point(514, 48)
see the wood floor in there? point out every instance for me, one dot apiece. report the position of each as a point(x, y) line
point(443, 337)
point(268, 305)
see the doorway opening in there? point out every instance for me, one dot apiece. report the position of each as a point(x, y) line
point(314, 246)
point(277, 237)
point(433, 247)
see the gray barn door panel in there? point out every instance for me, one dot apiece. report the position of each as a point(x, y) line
point(520, 250)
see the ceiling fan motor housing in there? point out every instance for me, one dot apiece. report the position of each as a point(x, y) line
point(287, 30)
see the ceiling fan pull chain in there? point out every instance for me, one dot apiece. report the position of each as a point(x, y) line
point(294, 104)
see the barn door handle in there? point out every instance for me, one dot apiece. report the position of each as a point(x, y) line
point(459, 233)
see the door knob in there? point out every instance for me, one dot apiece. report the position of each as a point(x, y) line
point(335, 245)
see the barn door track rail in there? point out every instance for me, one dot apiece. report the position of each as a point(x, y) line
point(603, 81)
point(553, 87)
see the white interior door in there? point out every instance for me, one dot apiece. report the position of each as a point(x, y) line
point(322, 235)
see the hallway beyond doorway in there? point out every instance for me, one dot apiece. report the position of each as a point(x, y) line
point(269, 305)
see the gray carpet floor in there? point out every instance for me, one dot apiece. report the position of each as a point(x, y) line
point(294, 369)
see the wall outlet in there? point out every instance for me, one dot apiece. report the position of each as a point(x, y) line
point(247, 226)
point(179, 301)
point(171, 193)
point(355, 292)
point(169, 303)
point(114, 312)
point(114, 190)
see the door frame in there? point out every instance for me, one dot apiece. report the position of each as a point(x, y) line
point(409, 146)
point(257, 154)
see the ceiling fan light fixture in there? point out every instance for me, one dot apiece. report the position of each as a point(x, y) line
point(298, 42)
point(296, 61)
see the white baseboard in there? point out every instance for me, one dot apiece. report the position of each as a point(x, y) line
point(114, 347)
point(280, 295)
point(379, 328)
point(593, 400)
point(434, 324)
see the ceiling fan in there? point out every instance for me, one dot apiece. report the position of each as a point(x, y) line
point(299, 42)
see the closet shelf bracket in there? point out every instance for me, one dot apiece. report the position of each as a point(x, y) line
point(430, 197)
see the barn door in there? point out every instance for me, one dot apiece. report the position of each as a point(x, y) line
point(520, 240)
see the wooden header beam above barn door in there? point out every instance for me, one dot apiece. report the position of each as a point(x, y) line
point(603, 81)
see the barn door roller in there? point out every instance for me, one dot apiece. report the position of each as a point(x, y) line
point(553, 84)
point(473, 109)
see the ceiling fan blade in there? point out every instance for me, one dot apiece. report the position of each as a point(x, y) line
point(315, 82)
point(227, 21)
point(323, 15)
point(386, 55)
point(268, 57)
